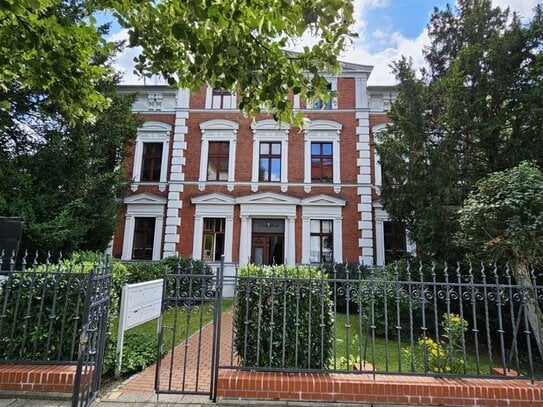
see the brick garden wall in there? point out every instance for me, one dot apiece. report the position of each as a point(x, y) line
point(363, 388)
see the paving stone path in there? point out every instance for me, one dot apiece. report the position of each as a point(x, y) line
point(189, 364)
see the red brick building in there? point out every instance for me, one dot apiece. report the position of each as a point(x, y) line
point(207, 181)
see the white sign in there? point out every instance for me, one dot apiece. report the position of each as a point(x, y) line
point(140, 303)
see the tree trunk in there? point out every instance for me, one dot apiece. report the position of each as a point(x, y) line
point(535, 316)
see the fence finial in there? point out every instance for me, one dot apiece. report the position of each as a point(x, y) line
point(23, 261)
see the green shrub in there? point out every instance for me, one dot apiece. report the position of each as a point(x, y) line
point(446, 355)
point(139, 351)
point(187, 290)
point(383, 296)
point(351, 274)
point(283, 317)
point(43, 310)
point(141, 272)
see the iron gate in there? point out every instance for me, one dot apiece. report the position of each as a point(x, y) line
point(93, 335)
point(191, 302)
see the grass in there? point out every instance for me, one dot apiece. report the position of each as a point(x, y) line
point(186, 320)
point(388, 355)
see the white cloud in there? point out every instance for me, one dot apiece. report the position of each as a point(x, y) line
point(124, 62)
point(363, 51)
point(523, 7)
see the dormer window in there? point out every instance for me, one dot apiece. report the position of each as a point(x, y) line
point(219, 98)
point(331, 103)
point(321, 105)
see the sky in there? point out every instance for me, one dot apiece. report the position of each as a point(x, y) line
point(387, 29)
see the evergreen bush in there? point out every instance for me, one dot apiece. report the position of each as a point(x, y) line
point(283, 317)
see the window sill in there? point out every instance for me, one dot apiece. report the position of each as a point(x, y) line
point(161, 185)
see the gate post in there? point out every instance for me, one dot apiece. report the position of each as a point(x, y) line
point(93, 334)
point(217, 313)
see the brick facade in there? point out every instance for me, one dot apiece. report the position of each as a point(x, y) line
point(184, 200)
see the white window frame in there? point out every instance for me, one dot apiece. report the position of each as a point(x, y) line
point(151, 132)
point(323, 131)
point(213, 206)
point(143, 206)
point(322, 207)
point(209, 100)
point(270, 131)
point(382, 216)
point(218, 130)
point(377, 170)
point(332, 80)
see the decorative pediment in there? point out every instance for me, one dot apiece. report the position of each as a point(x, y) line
point(270, 124)
point(154, 127)
point(213, 199)
point(324, 125)
point(322, 200)
point(219, 124)
point(145, 199)
point(268, 198)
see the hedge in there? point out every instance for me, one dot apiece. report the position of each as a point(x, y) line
point(283, 317)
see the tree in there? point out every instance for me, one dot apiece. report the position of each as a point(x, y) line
point(239, 45)
point(65, 183)
point(50, 46)
point(476, 109)
point(502, 220)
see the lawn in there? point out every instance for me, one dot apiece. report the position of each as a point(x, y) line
point(387, 355)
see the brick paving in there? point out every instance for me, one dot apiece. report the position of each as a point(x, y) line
point(188, 374)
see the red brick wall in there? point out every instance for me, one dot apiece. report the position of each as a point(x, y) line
point(381, 389)
point(36, 378)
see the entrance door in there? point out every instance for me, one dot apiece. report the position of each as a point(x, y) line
point(268, 241)
point(267, 249)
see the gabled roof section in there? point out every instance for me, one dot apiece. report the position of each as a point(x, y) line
point(145, 198)
point(351, 68)
point(323, 200)
point(213, 199)
point(268, 198)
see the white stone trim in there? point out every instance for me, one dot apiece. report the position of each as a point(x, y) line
point(323, 131)
point(213, 206)
point(151, 132)
point(365, 188)
point(143, 206)
point(322, 207)
point(218, 130)
point(270, 130)
point(175, 203)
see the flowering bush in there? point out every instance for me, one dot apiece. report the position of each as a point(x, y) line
point(446, 355)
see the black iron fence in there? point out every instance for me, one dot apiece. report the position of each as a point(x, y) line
point(412, 319)
point(56, 313)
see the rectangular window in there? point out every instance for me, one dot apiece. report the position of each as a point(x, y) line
point(395, 241)
point(217, 161)
point(213, 240)
point(319, 104)
point(221, 99)
point(151, 162)
point(144, 236)
point(321, 162)
point(270, 162)
point(321, 241)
